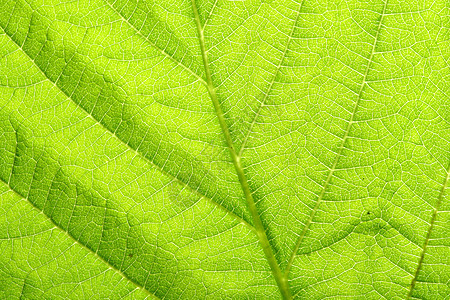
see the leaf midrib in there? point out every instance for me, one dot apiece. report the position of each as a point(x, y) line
point(236, 160)
point(280, 279)
point(194, 190)
point(159, 168)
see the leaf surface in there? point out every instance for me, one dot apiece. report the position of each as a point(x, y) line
point(224, 149)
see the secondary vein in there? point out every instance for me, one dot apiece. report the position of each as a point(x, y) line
point(159, 168)
point(430, 229)
point(81, 244)
point(260, 230)
point(162, 51)
point(272, 82)
point(340, 150)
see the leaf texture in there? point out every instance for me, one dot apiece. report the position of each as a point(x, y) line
point(220, 149)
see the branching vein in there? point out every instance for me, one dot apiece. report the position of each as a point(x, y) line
point(430, 229)
point(160, 50)
point(272, 82)
point(341, 148)
point(81, 244)
point(260, 230)
point(159, 168)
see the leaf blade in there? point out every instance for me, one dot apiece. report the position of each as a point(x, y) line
point(92, 93)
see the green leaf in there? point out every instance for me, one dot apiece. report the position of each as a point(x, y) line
point(254, 149)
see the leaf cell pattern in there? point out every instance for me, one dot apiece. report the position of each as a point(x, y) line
point(220, 149)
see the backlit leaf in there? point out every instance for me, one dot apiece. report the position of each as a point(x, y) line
point(224, 149)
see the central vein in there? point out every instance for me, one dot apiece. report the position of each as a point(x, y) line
point(260, 231)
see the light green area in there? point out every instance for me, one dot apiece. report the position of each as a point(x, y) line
point(224, 149)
